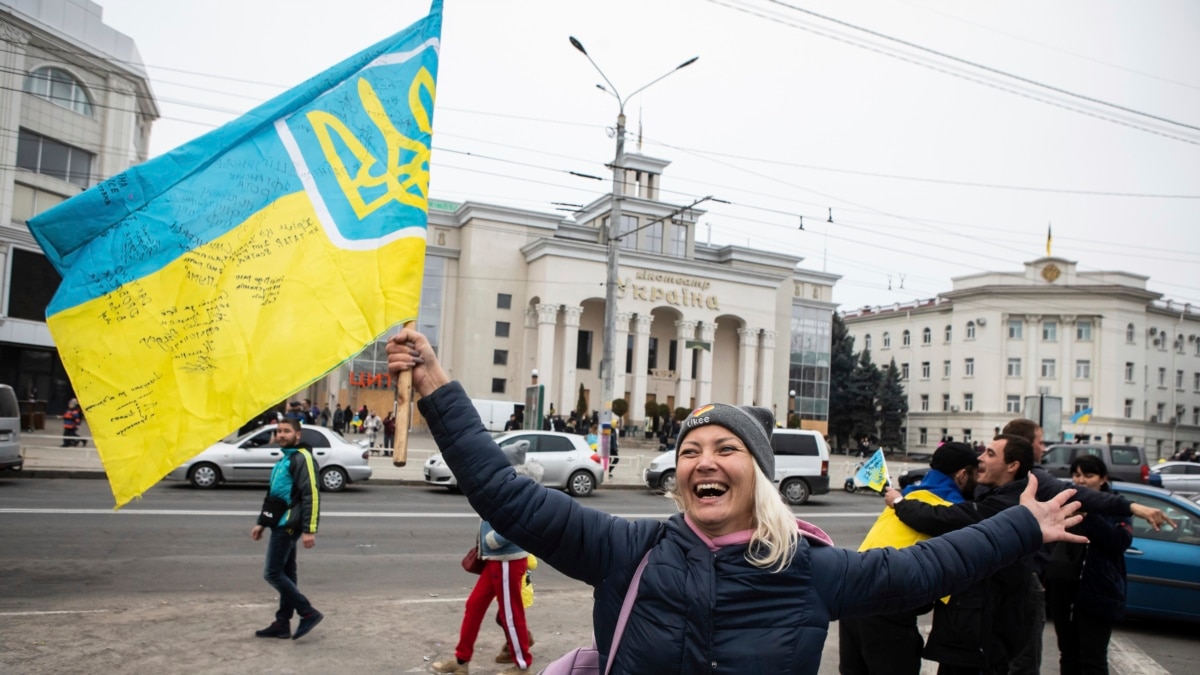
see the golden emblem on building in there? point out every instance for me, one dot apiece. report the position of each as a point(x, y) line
point(1051, 272)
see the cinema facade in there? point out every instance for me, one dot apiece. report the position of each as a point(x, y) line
point(508, 292)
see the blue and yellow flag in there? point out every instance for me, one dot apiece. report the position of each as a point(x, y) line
point(1082, 416)
point(874, 472)
point(207, 284)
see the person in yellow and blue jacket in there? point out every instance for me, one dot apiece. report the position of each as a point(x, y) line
point(293, 483)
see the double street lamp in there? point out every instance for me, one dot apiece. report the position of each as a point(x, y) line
point(608, 238)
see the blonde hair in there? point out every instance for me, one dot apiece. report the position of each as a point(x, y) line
point(776, 534)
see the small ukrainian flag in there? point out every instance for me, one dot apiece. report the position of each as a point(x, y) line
point(1082, 416)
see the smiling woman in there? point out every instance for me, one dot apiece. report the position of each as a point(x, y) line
point(734, 583)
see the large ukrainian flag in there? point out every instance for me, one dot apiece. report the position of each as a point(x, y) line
point(208, 284)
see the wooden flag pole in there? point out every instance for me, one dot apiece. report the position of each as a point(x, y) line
point(403, 413)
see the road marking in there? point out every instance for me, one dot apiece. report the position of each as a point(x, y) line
point(1126, 659)
point(337, 514)
point(57, 611)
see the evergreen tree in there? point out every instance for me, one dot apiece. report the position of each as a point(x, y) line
point(841, 367)
point(893, 408)
point(581, 406)
point(864, 385)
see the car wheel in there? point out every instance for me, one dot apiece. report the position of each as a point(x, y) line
point(581, 484)
point(667, 482)
point(205, 476)
point(795, 491)
point(333, 479)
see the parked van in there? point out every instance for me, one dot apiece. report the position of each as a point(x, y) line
point(495, 414)
point(801, 464)
point(10, 430)
point(1124, 462)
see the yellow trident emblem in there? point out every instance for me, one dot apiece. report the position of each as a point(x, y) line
point(398, 178)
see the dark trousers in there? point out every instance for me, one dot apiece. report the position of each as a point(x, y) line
point(1082, 637)
point(280, 572)
point(880, 645)
point(1028, 661)
point(70, 433)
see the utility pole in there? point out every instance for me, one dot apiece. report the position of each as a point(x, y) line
point(608, 237)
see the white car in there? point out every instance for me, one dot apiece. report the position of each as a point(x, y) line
point(250, 458)
point(568, 462)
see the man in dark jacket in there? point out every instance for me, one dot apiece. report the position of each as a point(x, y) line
point(293, 493)
point(980, 629)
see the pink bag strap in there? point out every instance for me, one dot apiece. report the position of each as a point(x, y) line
point(626, 609)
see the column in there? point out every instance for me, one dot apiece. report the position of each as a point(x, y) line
point(685, 330)
point(641, 358)
point(547, 316)
point(570, 353)
point(766, 370)
point(622, 338)
point(12, 84)
point(1032, 365)
point(529, 356)
point(747, 356)
point(704, 386)
point(120, 127)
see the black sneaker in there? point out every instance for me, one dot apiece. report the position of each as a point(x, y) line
point(308, 623)
point(277, 629)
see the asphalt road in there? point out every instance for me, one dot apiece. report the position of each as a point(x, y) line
point(173, 583)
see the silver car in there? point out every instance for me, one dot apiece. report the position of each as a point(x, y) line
point(568, 462)
point(1176, 476)
point(250, 458)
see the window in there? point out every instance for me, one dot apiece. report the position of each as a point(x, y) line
point(1082, 403)
point(498, 384)
point(583, 350)
point(1048, 368)
point(48, 157)
point(922, 436)
point(1159, 412)
point(904, 371)
point(1128, 408)
point(1083, 369)
point(1050, 331)
point(1195, 381)
point(946, 368)
point(1016, 328)
point(906, 338)
point(629, 354)
point(1014, 367)
point(652, 355)
point(678, 243)
point(1195, 417)
point(924, 402)
point(945, 402)
point(887, 341)
point(672, 354)
point(967, 436)
point(949, 332)
point(60, 88)
point(1162, 377)
point(968, 402)
point(867, 341)
point(926, 336)
point(1178, 344)
point(1129, 334)
point(654, 238)
point(969, 368)
point(1179, 380)
point(499, 357)
point(1129, 371)
point(924, 370)
point(1012, 404)
point(623, 234)
point(502, 329)
point(1083, 331)
point(32, 285)
point(503, 301)
point(28, 202)
point(970, 330)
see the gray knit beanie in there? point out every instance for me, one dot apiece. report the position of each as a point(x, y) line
point(750, 423)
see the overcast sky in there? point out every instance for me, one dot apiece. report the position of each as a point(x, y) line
point(786, 115)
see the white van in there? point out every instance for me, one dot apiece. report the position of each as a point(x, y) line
point(801, 466)
point(10, 430)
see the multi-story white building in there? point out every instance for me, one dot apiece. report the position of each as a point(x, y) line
point(75, 108)
point(1098, 340)
point(510, 291)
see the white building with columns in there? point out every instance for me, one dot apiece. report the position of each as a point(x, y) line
point(75, 108)
point(509, 291)
point(972, 356)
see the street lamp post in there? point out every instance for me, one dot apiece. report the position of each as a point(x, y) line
point(607, 371)
point(791, 405)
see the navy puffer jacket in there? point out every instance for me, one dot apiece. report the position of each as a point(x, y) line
point(698, 610)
